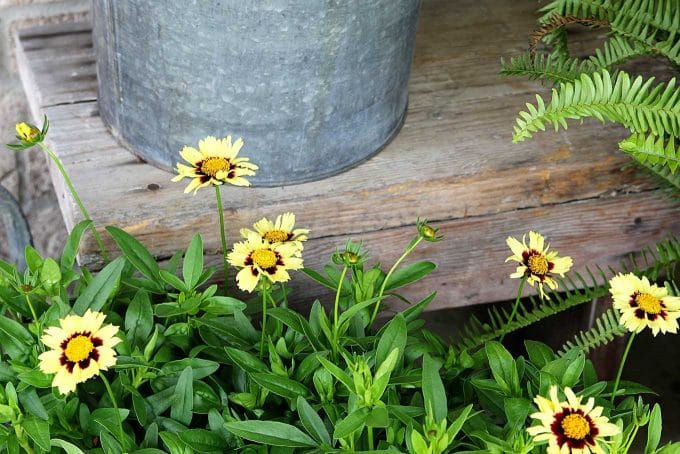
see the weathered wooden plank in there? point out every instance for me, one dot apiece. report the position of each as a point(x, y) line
point(452, 162)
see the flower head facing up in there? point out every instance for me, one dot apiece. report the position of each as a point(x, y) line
point(282, 230)
point(536, 263)
point(644, 305)
point(570, 426)
point(258, 257)
point(427, 232)
point(29, 135)
point(79, 348)
point(214, 163)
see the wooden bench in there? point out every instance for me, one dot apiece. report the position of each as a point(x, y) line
point(453, 163)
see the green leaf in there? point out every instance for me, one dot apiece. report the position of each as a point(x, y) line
point(135, 253)
point(573, 372)
point(16, 333)
point(38, 430)
point(378, 417)
point(338, 373)
point(318, 278)
point(200, 368)
point(503, 368)
point(173, 280)
point(31, 402)
point(352, 423)
point(282, 386)
point(183, 399)
point(109, 444)
point(223, 305)
point(271, 433)
point(312, 422)
point(346, 316)
point(202, 440)
point(539, 353)
point(139, 318)
point(100, 289)
point(296, 322)
point(393, 336)
point(457, 423)
point(69, 448)
point(192, 267)
point(433, 389)
point(410, 273)
point(414, 311)
point(653, 430)
point(516, 411)
point(104, 419)
point(50, 276)
point(68, 256)
point(382, 375)
point(245, 360)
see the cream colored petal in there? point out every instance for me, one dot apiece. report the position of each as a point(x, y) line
point(293, 263)
point(239, 181)
point(286, 222)
point(237, 258)
point(608, 429)
point(519, 272)
point(108, 335)
point(280, 275)
point(90, 371)
point(561, 265)
point(536, 241)
point(190, 155)
point(263, 226)
point(64, 381)
point(71, 324)
point(53, 337)
point(246, 280)
point(516, 247)
point(672, 303)
point(209, 146)
point(574, 402)
point(177, 178)
point(236, 147)
point(193, 186)
point(93, 320)
point(107, 358)
point(50, 362)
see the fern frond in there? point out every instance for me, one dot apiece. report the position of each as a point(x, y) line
point(543, 67)
point(632, 103)
point(558, 21)
point(553, 67)
point(605, 329)
point(653, 150)
point(476, 333)
point(599, 9)
point(652, 262)
point(639, 27)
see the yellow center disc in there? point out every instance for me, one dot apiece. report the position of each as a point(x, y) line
point(538, 264)
point(648, 303)
point(213, 165)
point(78, 348)
point(276, 236)
point(575, 426)
point(264, 258)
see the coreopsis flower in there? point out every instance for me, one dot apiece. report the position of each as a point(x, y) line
point(258, 257)
point(643, 304)
point(214, 163)
point(570, 427)
point(80, 348)
point(427, 232)
point(536, 263)
point(282, 230)
point(29, 135)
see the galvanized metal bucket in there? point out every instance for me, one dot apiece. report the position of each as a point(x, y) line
point(314, 87)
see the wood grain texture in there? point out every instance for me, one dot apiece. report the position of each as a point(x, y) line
point(453, 163)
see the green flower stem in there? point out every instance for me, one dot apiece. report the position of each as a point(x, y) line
point(74, 193)
point(514, 309)
point(223, 237)
point(336, 307)
point(35, 318)
point(285, 296)
point(623, 362)
point(264, 318)
point(408, 250)
point(115, 407)
point(22, 439)
point(370, 438)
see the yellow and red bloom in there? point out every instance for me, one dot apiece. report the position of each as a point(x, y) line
point(214, 163)
point(27, 133)
point(644, 305)
point(282, 230)
point(537, 264)
point(80, 348)
point(570, 427)
point(258, 257)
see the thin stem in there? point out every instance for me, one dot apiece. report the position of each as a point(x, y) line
point(30, 306)
point(514, 309)
point(264, 318)
point(74, 193)
point(35, 318)
point(623, 362)
point(408, 250)
point(285, 296)
point(21, 438)
point(336, 307)
point(115, 406)
point(370, 438)
point(223, 237)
